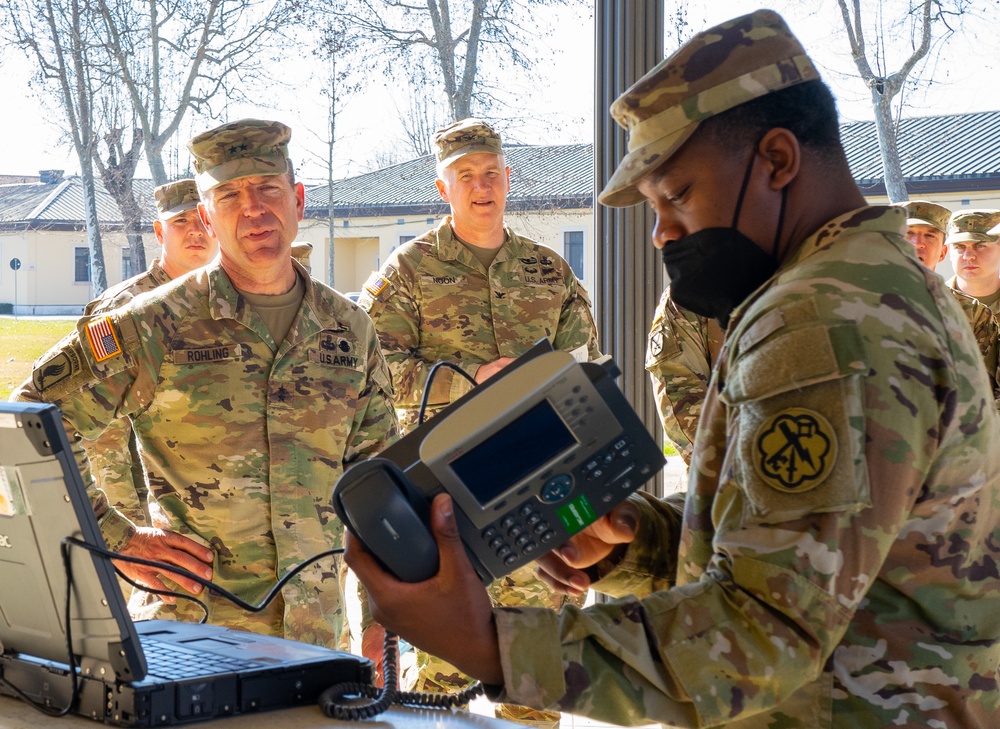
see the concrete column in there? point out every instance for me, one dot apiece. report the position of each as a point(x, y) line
point(629, 274)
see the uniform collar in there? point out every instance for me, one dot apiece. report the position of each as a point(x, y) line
point(315, 314)
point(156, 272)
point(881, 219)
point(450, 248)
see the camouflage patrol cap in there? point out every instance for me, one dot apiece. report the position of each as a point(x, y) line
point(922, 212)
point(240, 149)
point(175, 198)
point(467, 136)
point(301, 251)
point(975, 226)
point(718, 69)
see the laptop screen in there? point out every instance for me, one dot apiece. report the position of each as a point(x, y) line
point(42, 501)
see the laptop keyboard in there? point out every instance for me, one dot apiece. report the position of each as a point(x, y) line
point(172, 661)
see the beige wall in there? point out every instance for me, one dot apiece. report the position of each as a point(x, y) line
point(45, 282)
point(365, 243)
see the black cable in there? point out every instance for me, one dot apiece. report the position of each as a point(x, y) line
point(430, 378)
point(74, 676)
point(272, 593)
point(169, 593)
point(378, 700)
point(367, 701)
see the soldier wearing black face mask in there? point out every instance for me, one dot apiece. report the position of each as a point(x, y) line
point(833, 563)
point(713, 270)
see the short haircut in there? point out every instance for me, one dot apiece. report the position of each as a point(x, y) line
point(808, 110)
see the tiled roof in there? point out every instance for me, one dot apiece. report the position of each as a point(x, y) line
point(560, 176)
point(59, 206)
point(938, 153)
point(954, 151)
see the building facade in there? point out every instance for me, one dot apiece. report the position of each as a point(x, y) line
point(953, 160)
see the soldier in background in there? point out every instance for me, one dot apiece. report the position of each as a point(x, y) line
point(835, 564)
point(250, 387)
point(184, 246)
point(474, 293)
point(975, 255)
point(302, 252)
point(681, 350)
point(926, 226)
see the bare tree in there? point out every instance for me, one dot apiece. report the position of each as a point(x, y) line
point(473, 44)
point(59, 36)
point(117, 173)
point(334, 43)
point(926, 22)
point(421, 117)
point(173, 56)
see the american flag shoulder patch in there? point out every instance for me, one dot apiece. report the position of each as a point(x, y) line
point(376, 284)
point(103, 339)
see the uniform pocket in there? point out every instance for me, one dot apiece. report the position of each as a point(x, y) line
point(797, 418)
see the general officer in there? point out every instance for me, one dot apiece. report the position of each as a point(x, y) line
point(184, 246)
point(474, 293)
point(835, 562)
point(249, 385)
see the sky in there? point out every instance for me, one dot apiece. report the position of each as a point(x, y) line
point(964, 72)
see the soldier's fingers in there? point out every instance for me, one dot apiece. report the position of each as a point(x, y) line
point(453, 559)
point(180, 542)
point(558, 575)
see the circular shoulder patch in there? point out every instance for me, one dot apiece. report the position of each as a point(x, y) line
point(795, 450)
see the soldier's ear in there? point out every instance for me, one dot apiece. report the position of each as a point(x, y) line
point(205, 219)
point(442, 189)
point(783, 156)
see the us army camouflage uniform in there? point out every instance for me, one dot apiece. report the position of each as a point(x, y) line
point(994, 307)
point(243, 438)
point(113, 460)
point(836, 565)
point(987, 332)
point(680, 351)
point(434, 301)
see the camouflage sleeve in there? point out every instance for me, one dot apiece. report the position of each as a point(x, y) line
point(780, 588)
point(91, 375)
point(650, 562)
point(116, 473)
point(987, 330)
point(391, 302)
point(679, 362)
point(576, 321)
point(376, 427)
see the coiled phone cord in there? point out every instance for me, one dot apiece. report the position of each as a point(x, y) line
point(332, 701)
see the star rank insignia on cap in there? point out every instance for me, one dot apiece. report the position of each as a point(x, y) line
point(795, 450)
point(103, 340)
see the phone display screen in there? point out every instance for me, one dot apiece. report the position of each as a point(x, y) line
point(513, 452)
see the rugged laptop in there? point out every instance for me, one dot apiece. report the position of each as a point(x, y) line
point(147, 673)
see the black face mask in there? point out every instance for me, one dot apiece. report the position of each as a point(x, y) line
point(714, 270)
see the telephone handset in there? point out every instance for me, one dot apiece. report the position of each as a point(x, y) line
point(541, 450)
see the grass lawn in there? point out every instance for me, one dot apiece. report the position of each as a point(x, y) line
point(22, 341)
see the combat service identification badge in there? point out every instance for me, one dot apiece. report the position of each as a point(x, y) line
point(795, 450)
